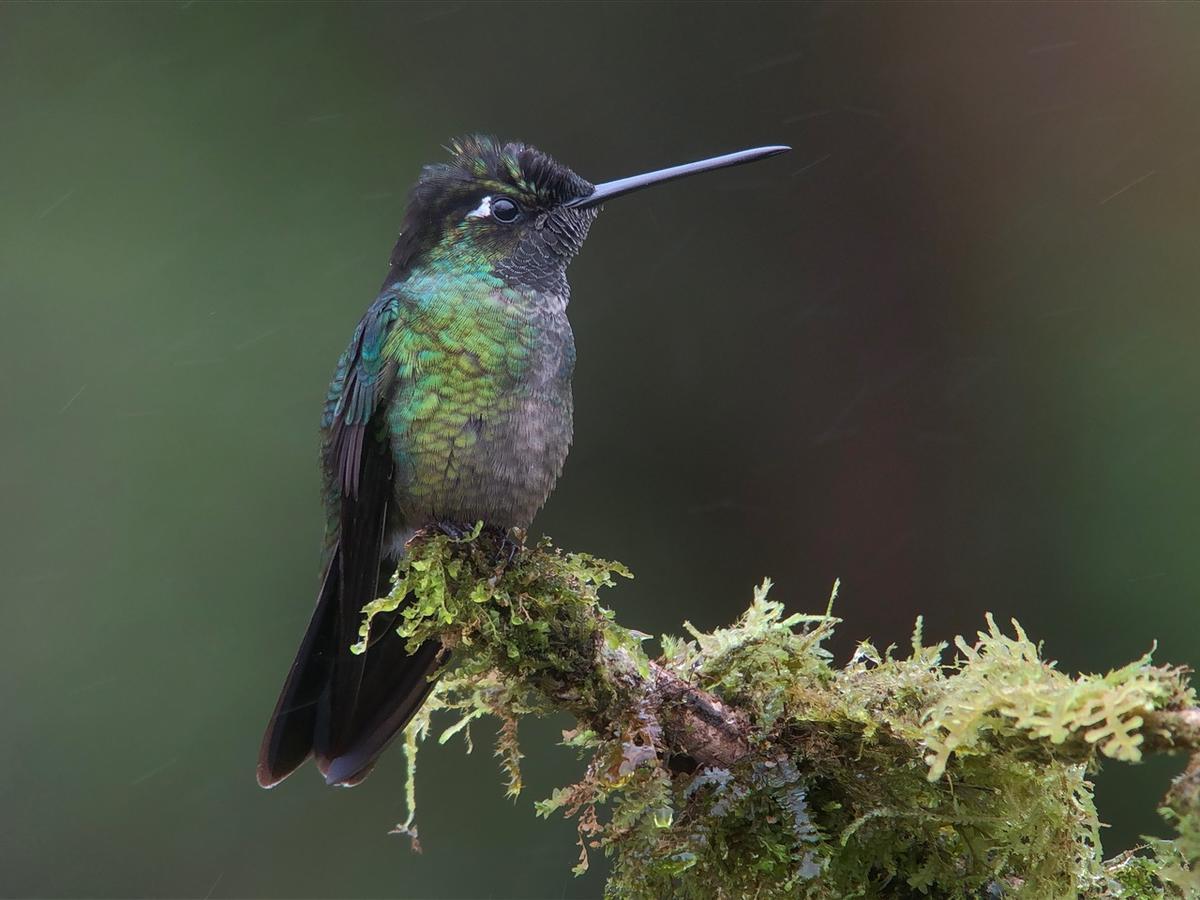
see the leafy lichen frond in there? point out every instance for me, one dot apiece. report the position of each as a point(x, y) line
point(1001, 690)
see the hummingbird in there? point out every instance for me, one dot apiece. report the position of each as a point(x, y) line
point(451, 406)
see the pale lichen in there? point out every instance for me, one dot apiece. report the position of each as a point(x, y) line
point(744, 763)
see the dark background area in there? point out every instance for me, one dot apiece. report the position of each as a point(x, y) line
point(945, 350)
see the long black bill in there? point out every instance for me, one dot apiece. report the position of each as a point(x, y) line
point(611, 189)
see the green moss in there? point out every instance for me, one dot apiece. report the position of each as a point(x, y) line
point(1003, 691)
point(892, 776)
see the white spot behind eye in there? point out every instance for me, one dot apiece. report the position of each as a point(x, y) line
point(483, 210)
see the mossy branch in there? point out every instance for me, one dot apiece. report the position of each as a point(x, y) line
point(743, 763)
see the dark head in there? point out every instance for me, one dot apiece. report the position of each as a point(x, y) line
point(494, 209)
point(511, 211)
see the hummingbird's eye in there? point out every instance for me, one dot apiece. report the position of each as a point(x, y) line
point(504, 210)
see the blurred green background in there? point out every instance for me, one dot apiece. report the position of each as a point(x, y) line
point(945, 349)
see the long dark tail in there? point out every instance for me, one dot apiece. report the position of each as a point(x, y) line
point(344, 708)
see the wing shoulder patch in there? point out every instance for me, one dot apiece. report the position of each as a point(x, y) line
point(363, 376)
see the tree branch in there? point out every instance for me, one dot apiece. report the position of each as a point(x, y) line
point(743, 763)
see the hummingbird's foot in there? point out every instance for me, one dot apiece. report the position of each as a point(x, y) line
point(505, 543)
point(511, 544)
point(456, 531)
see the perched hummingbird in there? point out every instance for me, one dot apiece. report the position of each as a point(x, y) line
point(452, 405)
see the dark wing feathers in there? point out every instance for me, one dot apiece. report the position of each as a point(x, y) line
point(360, 542)
point(345, 708)
point(288, 740)
point(364, 375)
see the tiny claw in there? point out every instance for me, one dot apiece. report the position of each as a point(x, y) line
point(453, 530)
point(509, 542)
point(509, 548)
